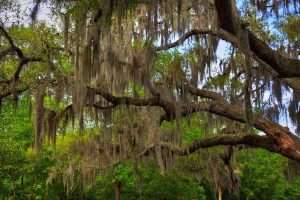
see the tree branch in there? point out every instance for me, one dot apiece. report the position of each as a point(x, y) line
point(220, 140)
point(229, 30)
point(22, 63)
point(203, 93)
point(249, 140)
point(280, 135)
point(11, 42)
point(184, 37)
point(12, 92)
point(23, 59)
point(286, 141)
point(154, 101)
point(229, 21)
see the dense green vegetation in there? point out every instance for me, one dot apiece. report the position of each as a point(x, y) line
point(26, 174)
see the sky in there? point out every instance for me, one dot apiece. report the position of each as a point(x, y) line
point(44, 10)
point(26, 6)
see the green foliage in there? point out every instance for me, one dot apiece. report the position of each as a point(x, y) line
point(25, 173)
point(146, 183)
point(124, 174)
point(262, 177)
point(15, 123)
point(23, 176)
point(168, 66)
point(192, 127)
point(52, 104)
point(12, 161)
point(292, 191)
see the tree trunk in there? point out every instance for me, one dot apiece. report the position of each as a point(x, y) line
point(219, 193)
point(118, 187)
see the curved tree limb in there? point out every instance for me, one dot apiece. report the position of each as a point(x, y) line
point(18, 51)
point(249, 140)
point(229, 21)
point(14, 48)
point(272, 59)
point(184, 37)
point(287, 142)
point(220, 140)
point(21, 65)
point(230, 28)
point(218, 33)
point(154, 101)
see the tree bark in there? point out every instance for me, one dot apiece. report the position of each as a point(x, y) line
point(229, 20)
point(285, 142)
point(118, 188)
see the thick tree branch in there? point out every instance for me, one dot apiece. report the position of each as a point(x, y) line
point(227, 15)
point(154, 101)
point(184, 37)
point(286, 141)
point(249, 140)
point(229, 30)
point(282, 137)
point(11, 42)
point(229, 21)
point(23, 59)
point(218, 33)
point(204, 93)
point(220, 140)
point(284, 66)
